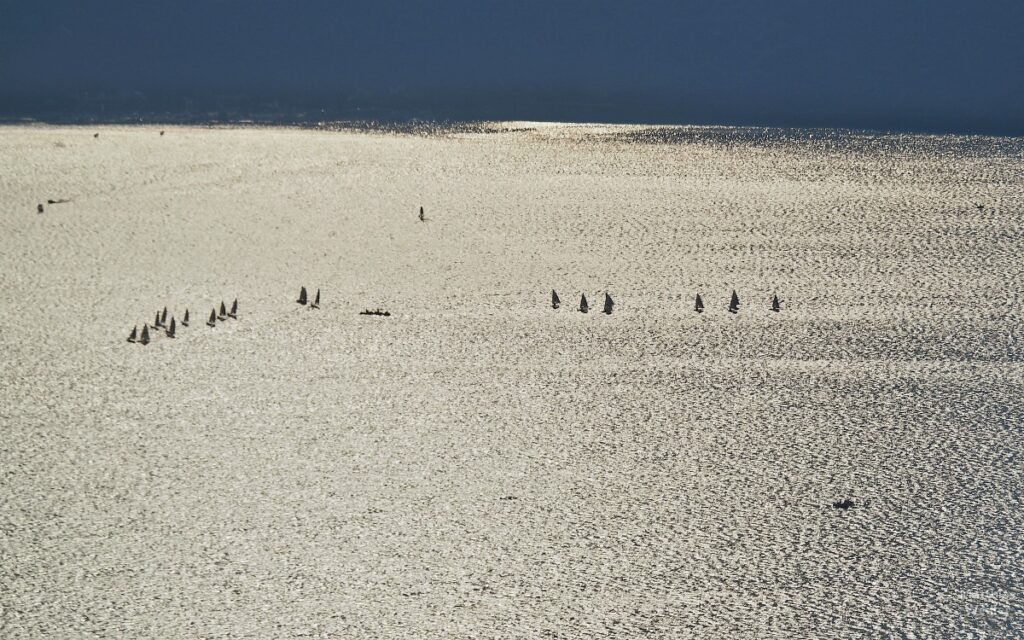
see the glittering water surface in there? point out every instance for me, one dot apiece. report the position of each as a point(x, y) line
point(479, 464)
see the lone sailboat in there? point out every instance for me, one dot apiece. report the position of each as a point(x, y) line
point(134, 334)
point(584, 307)
point(734, 303)
point(145, 335)
point(302, 296)
point(608, 304)
point(555, 302)
point(699, 305)
point(212, 322)
point(316, 301)
point(775, 304)
point(171, 328)
point(422, 217)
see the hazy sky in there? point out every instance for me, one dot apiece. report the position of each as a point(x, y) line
point(927, 64)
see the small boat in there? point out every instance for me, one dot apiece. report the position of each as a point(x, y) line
point(734, 303)
point(234, 309)
point(223, 315)
point(184, 321)
point(775, 304)
point(422, 217)
point(145, 335)
point(212, 322)
point(39, 208)
point(316, 301)
point(555, 302)
point(156, 322)
point(171, 328)
point(163, 316)
point(698, 306)
point(302, 296)
point(608, 304)
point(584, 307)
point(133, 336)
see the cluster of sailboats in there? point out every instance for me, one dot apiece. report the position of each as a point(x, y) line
point(734, 303)
point(170, 329)
point(304, 299)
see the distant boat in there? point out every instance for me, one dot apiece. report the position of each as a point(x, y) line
point(156, 322)
point(184, 321)
point(145, 335)
point(608, 304)
point(775, 304)
point(302, 296)
point(699, 305)
point(134, 334)
point(234, 310)
point(171, 328)
point(422, 217)
point(734, 303)
point(39, 208)
point(212, 322)
point(163, 316)
point(316, 301)
point(555, 302)
point(223, 315)
point(584, 307)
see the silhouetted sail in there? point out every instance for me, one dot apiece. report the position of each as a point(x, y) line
point(184, 321)
point(584, 307)
point(223, 315)
point(422, 218)
point(234, 309)
point(163, 316)
point(213, 318)
point(156, 322)
point(145, 335)
point(134, 334)
point(316, 301)
point(698, 306)
point(775, 304)
point(555, 302)
point(734, 303)
point(608, 304)
point(302, 296)
point(171, 328)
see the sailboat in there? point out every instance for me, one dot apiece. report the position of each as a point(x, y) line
point(422, 217)
point(608, 304)
point(163, 317)
point(316, 301)
point(302, 296)
point(212, 322)
point(223, 315)
point(156, 322)
point(584, 307)
point(699, 305)
point(170, 329)
point(184, 321)
point(555, 302)
point(734, 303)
point(134, 334)
point(234, 310)
point(145, 335)
point(775, 304)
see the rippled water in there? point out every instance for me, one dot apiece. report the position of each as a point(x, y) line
point(478, 464)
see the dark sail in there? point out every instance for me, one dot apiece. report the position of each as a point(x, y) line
point(555, 302)
point(302, 296)
point(734, 303)
point(421, 214)
point(234, 309)
point(316, 301)
point(213, 318)
point(171, 328)
point(184, 321)
point(608, 304)
point(775, 304)
point(223, 315)
point(134, 334)
point(699, 305)
point(156, 322)
point(163, 316)
point(145, 335)
point(584, 307)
